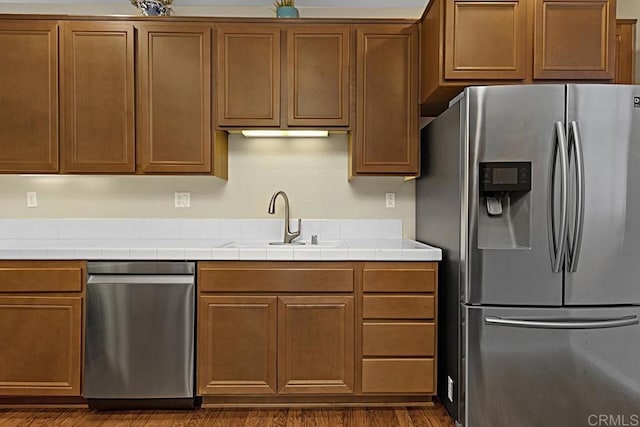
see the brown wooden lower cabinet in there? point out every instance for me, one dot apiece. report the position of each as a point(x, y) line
point(41, 322)
point(268, 333)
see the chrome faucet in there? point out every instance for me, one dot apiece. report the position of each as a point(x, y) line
point(288, 235)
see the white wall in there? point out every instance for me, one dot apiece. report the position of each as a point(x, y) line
point(313, 172)
point(627, 9)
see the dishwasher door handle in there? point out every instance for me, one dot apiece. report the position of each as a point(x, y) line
point(139, 279)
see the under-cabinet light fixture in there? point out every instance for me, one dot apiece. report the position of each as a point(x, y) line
point(275, 133)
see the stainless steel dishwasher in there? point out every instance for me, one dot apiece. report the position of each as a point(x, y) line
point(139, 349)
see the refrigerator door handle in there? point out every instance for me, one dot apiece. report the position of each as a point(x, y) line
point(555, 324)
point(558, 242)
point(575, 143)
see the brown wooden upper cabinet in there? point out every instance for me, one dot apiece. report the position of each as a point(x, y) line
point(29, 96)
point(626, 51)
point(97, 98)
point(174, 133)
point(574, 39)
point(385, 139)
point(485, 40)
point(304, 85)
point(477, 42)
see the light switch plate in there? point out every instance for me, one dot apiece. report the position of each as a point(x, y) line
point(182, 199)
point(390, 200)
point(32, 199)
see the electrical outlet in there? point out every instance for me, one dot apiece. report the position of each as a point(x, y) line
point(390, 200)
point(32, 199)
point(450, 389)
point(182, 199)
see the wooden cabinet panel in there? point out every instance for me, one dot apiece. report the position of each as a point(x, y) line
point(398, 307)
point(277, 277)
point(626, 51)
point(237, 345)
point(583, 49)
point(318, 75)
point(386, 134)
point(174, 89)
point(398, 339)
point(315, 345)
point(248, 75)
point(97, 97)
point(44, 355)
point(485, 39)
point(398, 278)
point(29, 96)
point(42, 276)
point(398, 376)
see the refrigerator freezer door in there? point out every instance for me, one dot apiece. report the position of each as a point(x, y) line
point(551, 367)
point(510, 259)
point(608, 121)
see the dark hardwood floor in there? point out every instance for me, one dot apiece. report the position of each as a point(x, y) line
point(326, 417)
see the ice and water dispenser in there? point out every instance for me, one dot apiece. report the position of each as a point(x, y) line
point(504, 217)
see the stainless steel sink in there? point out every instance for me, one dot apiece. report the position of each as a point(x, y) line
point(265, 244)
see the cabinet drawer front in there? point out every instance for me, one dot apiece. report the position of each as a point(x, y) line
point(398, 339)
point(398, 307)
point(398, 376)
point(41, 276)
point(399, 280)
point(286, 279)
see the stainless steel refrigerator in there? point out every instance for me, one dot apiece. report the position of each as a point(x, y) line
point(533, 193)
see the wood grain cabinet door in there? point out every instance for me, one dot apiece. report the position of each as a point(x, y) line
point(98, 101)
point(174, 92)
point(318, 75)
point(29, 96)
point(485, 39)
point(237, 345)
point(315, 345)
point(386, 134)
point(626, 51)
point(248, 75)
point(42, 346)
point(574, 39)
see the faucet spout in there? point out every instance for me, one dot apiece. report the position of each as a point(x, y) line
point(288, 235)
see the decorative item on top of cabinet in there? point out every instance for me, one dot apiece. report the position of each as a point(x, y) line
point(29, 96)
point(154, 7)
point(286, 9)
point(41, 318)
point(174, 101)
point(585, 49)
point(259, 85)
point(385, 139)
point(626, 51)
point(97, 97)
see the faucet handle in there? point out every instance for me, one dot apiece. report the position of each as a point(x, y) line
point(314, 239)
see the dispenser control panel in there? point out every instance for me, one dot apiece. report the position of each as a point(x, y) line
point(505, 176)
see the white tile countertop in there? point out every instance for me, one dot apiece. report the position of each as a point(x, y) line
point(194, 239)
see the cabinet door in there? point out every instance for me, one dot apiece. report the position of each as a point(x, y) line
point(625, 51)
point(574, 39)
point(315, 345)
point(386, 135)
point(41, 351)
point(174, 89)
point(318, 75)
point(237, 345)
point(29, 96)
point(248, 75)
point(97, 97)
point(485, 39)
